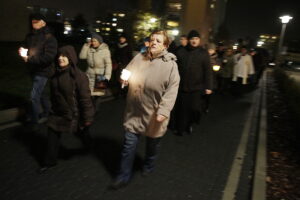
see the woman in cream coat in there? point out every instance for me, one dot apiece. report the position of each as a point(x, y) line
point(98, 57)
point(153, 87)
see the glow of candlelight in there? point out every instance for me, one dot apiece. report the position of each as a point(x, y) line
point(216, 68)
point(24, 52)
point(125, 75)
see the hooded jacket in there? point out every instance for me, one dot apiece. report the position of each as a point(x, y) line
point(153, 87)
point(42, 49)
point(70, 96)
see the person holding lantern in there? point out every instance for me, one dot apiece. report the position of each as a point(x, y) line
point(153, 86)
point(39, 54)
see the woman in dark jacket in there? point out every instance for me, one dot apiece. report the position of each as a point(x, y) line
point(71, 103)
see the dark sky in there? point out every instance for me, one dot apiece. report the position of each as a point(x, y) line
point(253, 17)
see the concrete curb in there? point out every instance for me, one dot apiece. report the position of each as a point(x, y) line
point(259, 181)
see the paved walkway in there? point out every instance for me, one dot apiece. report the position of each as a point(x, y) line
point(190, 167)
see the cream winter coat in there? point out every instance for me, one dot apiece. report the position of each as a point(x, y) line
point(153, 87)
point(243, 67)
point(99, 62)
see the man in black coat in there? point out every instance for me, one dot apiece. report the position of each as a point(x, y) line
point(72, 107)
point(42, 49)
point(196, 79)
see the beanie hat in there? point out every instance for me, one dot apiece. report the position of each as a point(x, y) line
point(193, 33)
point(97, 37)
point(37, 16)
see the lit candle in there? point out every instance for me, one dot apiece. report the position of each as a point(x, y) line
point(216, 68)
point(23, 52)
point(125, 76)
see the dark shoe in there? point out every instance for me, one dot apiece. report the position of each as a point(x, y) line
point(118, 184)
point(44, 169)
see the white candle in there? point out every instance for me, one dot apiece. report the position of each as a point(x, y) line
point(23, 52)
point(125, 75)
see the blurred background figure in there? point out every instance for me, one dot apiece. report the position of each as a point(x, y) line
point(123, 56)
point(99, 70)
point(226, 71)
point(72, 106)
point(172, 47)
point(42, 49)
point(152, 92)
point(145, 46)
point(242, 71)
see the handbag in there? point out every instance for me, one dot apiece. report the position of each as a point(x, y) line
point(101, 83)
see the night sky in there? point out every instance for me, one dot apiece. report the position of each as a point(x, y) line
point(244, 17)
point(253, 17)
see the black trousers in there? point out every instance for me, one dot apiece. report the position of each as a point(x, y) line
point(188, 109)
point(52, 147)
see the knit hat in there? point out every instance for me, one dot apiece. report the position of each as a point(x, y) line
point(193, 33)
point(97, 37)
point(37, 16)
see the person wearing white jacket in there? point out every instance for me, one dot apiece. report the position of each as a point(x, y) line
point(98, 57)
point(243, 66)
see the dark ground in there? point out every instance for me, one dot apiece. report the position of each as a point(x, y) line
point(190, 167)
point(283, 153)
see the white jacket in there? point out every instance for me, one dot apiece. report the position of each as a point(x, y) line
point(243, 67)
point(99, 60)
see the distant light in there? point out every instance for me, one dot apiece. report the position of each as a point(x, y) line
point(66, 32)
point(274, 37)
point(285, 19)
point(114, 19)
point(172, 23)
point(81, 30)
point(121, 15)
point(97, 30)
point(272, 64)
point(259, 43)
point(212, 6)
point(58, 14)
point(107, 23)
point(67, 28)
point(153, 20)
point(114, 24)
point(107, 29)
point(120, 30)
point(234, 47)
point(175, 32)
point(98, 21)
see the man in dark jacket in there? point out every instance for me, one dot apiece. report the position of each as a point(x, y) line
point(72, 106)
point(42, 49)
point(196, 80)
point(123, 56)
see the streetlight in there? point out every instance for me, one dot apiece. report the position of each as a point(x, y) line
point(284, 20)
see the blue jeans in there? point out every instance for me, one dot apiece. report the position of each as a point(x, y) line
point(128, 154)
point(38, 99)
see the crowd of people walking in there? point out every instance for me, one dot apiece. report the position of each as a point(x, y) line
point(169, 87)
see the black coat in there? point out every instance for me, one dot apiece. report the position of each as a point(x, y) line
point(195, 69)
point(70, 97)
point(123, 54)
point(42, 49)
